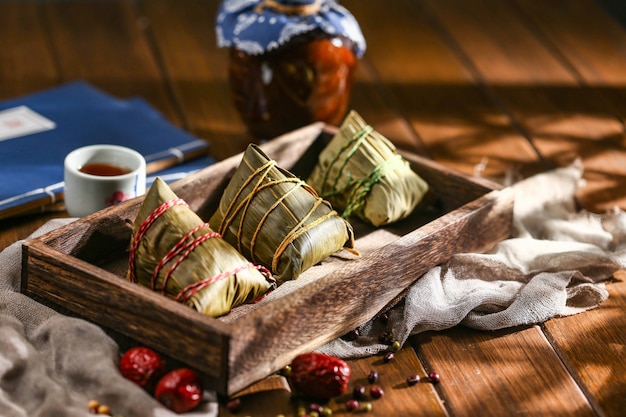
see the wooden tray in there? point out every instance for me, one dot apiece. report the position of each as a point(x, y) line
point(81, 268)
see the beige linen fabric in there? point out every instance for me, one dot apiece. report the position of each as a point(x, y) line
point(554, 265)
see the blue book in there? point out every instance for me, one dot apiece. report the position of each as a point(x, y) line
point(180, 171)
point(37, 131)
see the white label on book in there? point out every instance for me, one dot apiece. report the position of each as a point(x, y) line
point(22, 121)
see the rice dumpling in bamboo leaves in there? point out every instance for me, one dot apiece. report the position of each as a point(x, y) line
point(176, 253)
point(276, 219)
point(361, 173)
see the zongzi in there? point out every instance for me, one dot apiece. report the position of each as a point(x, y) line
point(276, 219)
point(361, 173)
point(173, 251)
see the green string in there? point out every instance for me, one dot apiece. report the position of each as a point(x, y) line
point(362, 187)
point(354, 142)
point(359, 188)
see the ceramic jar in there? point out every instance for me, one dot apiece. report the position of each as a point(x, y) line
point(292, 62)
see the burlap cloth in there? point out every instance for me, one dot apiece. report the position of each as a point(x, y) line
point(555, 265)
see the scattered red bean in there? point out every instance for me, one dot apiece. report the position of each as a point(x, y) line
point(372, 377)
point(384, 317)
point(413, 379)
point(358, 392)
point(433, 377)
point(388, 356)
point(352, 405)
point(234, 405)
point(316, 407)
point(351, 335)
point(376, 392)
point(385, 337)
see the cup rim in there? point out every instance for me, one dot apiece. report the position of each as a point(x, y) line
point(75, 169)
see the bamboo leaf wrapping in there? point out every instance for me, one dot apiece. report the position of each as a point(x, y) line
point(209, 275)
point(361, 173)
point(276, 219)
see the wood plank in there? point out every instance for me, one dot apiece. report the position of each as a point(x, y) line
point(104, 43)
point(267, 398)
point(376, 104)
point(592, 346)
point(591, 43)
point(516, 369)
point(27, 63)
point(457, 121)
point(196, 68)
point(564, 119)
point(586, 35)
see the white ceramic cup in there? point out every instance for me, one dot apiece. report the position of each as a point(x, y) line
point(86, 193)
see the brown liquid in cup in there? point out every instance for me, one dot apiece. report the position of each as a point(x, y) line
point(104, 169)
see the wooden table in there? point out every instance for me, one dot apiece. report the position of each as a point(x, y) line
point(520, 86)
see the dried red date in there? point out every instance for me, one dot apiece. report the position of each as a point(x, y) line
point(143, 366)
point(179, 390)
point(319, 376)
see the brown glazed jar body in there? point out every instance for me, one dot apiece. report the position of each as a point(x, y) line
point(307, 80)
